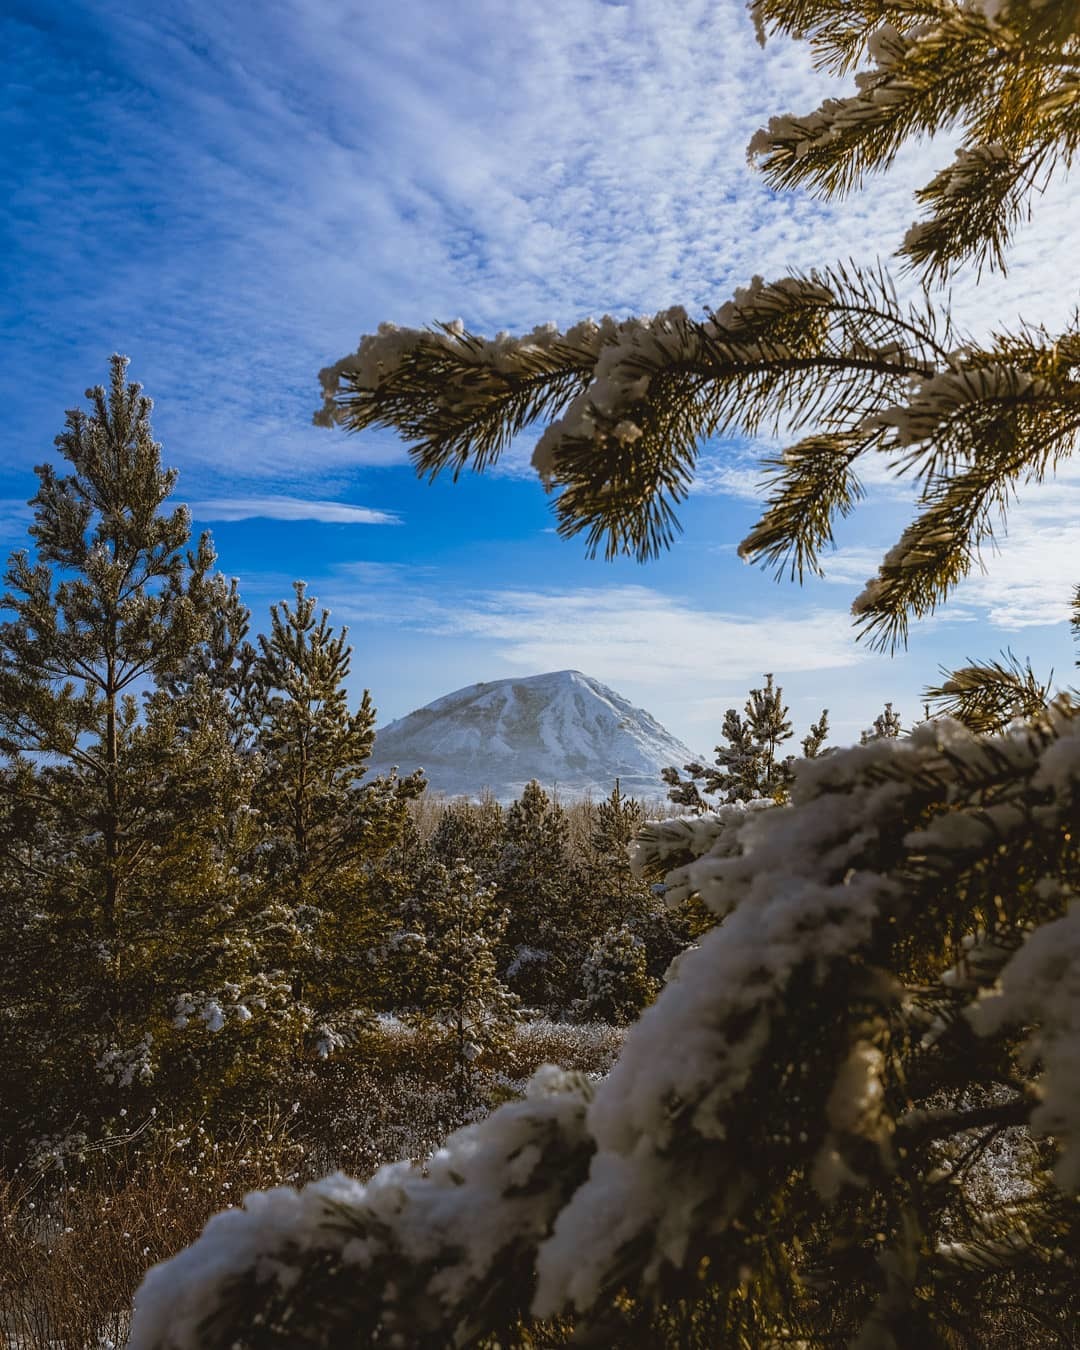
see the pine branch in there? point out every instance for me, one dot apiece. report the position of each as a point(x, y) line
point(459, 398)
point(975, 206)
point(836, 347)
point(1010, 77)
point(919, 84)
point(634, 399)
point(839, 31)
point(977, 429)
point(987, 696)
point(813, 484)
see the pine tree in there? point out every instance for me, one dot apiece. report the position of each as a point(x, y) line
point(112, 812)
point(538, 887)
point(611, 882)
point(223, 661)
point(615, 978)
point(470, 832)
point(748, 766)
point(768, 716)
point(886, 726)
point(325, 832)
point(112, 609)
point(464, 996)
point(814, 741)
point(739, 760)
point(618, 905)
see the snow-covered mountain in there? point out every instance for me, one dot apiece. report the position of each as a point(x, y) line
point(564, 729)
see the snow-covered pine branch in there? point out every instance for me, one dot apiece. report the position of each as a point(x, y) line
point(420, 1258)
point(977, 428)
point(810, 1028)
point(628, 404)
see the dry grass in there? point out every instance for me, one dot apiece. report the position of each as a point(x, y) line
point(74, 1247)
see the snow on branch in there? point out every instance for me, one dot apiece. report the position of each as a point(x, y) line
point(908, 89)
point(685, 850)
point(644, 349)
point(415, 1254)
point(936, 399)
point(381, 356)
point(1040, 987)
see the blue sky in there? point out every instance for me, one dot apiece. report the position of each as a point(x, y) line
point(233, 194)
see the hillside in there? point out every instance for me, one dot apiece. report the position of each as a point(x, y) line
point(565, 729)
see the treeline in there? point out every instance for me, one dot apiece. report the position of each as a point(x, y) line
point(574, 931)
point(199, 889)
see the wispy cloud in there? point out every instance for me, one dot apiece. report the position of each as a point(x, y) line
point(732, 471)
point(384, 574)
point(289, 508)
point(15, 516)
point(608, 632)
point(660, 639)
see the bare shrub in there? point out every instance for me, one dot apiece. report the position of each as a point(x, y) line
point(75, 1244)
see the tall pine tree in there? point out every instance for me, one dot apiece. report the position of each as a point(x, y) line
point(463, 996)
point(539, 888)
point(111, 811)
point(621, 913)
point(325, 831)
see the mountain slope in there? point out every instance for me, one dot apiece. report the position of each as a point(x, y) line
point(564, 728)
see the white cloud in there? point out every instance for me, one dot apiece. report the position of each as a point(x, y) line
point(289, 508)
point(851, 566)
point(732, 472)
point(615, 634)
point(1030, 581)
point(660, 640)
point(381, 573)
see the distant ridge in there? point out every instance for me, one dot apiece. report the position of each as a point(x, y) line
point(564, 729)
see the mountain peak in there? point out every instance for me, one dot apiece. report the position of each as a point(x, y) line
point(563, 728)
point(546, 677)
